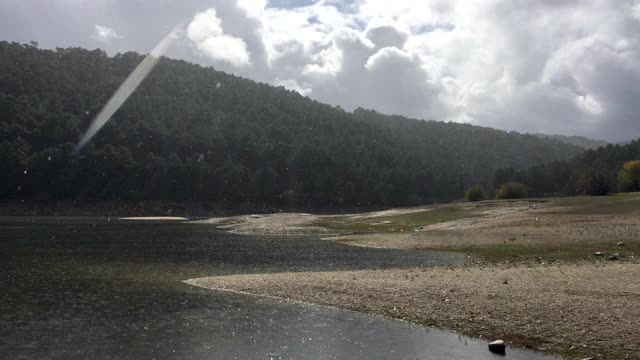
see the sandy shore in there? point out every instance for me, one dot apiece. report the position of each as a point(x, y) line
point(577, 310)
point(269, 224)
point(300, 223)
point(536, 282)
point(154, 218)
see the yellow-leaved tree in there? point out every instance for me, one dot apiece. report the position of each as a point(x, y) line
point(629, 176)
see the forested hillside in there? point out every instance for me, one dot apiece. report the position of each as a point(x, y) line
point(193, 133)
point(581, 141)
point(564, 177)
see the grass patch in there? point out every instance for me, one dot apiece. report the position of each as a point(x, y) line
point(539, 252)
point(394, 223)
point(621, 203)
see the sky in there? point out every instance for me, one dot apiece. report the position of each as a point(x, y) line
point(567, 67)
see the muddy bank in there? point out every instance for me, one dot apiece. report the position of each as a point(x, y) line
point(577, 310)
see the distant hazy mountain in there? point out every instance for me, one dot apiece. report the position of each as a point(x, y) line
point(581, 141)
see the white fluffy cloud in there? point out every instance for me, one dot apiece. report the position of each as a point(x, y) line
point(556, 66)
point(538, 66)
point(105, 34)
point(205, 30)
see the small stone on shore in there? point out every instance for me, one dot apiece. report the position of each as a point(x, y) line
point(614, 257)
point(498, 347)
point(598, 253)
point(620, 244)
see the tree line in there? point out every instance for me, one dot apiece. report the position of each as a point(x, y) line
point(193, 133)
point(612, 168)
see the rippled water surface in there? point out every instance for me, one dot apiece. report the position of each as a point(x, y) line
point(99, 288)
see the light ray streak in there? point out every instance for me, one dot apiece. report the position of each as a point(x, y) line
point(127, 88)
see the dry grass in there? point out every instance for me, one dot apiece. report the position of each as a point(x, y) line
point(560, 229)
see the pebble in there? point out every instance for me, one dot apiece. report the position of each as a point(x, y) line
point(614, 257)
point(498, 347)
point(620, 243)
point(598, 253)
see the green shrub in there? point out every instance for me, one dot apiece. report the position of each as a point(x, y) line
point(474, 194)
point(512, 190)
point(625, 183)
point(593, 183)
point(629, 176)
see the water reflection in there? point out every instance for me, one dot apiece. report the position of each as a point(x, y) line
point(98, 288)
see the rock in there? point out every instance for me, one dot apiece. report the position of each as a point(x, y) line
point(598, 253)
point(498, 347)
point(614, 257)
point(620, 243)
point(255, 216)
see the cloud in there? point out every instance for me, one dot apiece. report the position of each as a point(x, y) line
point(555, 66)
point(543, 66)
point(105, 34)
point(205, 30)
point(386, 35)
point(253, 8)
point(635, 10)
point(399, 84)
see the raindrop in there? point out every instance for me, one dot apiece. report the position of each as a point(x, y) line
point(25, 171)
point(49, 158)
point(218, 85)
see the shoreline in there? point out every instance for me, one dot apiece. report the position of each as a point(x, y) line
point(552, 308)
point(130, 208)
point(557, 275)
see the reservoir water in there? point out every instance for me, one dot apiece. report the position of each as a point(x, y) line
point(107, 289)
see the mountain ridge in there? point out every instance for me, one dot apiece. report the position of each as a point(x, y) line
point(580, 141)
point(193, 133)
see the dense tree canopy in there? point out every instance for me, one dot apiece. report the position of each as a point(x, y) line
point(193, 133)
point(591, 172)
